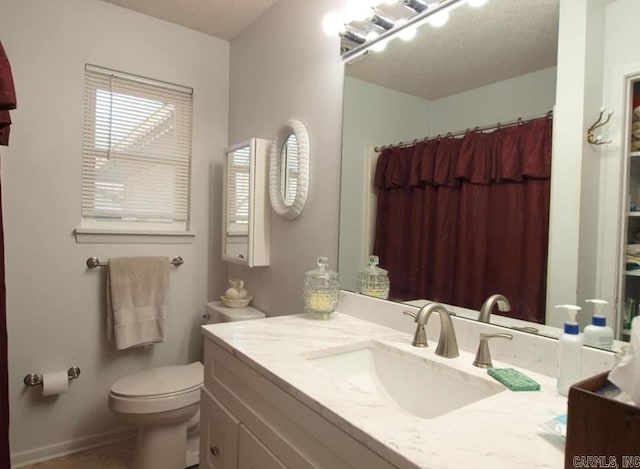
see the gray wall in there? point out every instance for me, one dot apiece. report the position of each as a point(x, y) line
point(285, 67)
point(55, 305)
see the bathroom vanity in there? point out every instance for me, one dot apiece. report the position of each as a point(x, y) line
point(297, 392)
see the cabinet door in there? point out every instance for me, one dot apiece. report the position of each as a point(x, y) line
point(631, 263)
point(218, 435)
point(254, 455)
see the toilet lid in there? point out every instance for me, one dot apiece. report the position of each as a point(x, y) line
point(160, 381)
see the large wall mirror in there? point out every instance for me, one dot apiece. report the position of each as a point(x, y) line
point(486, 66)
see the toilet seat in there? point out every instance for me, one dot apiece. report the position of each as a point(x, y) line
point(157, 390)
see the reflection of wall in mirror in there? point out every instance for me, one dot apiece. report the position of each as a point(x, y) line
point(376, 115)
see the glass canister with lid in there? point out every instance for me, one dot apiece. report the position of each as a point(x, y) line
point(321, 290)
point(373, 281)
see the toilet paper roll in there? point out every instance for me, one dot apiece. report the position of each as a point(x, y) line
point(55, 382)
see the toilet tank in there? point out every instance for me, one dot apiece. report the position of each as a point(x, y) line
point(219, 313)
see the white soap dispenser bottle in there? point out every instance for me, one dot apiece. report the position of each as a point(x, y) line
point(569, 351)
point(598, 334)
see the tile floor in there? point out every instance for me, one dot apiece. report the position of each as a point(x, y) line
point(114, 456)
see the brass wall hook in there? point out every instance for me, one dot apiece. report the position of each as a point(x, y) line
point(597, 139)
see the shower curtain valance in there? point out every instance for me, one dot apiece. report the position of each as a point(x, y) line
point(510, 154)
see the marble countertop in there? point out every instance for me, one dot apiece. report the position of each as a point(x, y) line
point(500, 431)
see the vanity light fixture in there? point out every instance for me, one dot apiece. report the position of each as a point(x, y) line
point(381, 21)
point(415, 5)
point(435, 13)
point(353, 36)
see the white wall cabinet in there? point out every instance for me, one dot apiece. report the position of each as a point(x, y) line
point(267, 426)
point(246, 210)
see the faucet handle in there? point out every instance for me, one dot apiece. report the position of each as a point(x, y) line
point(419, 336)
point(411, 313)
point(483, 356)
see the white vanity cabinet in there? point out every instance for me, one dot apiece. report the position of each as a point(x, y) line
point(227, 444)
point(218, 435)
point(253, 454)
point(246, 210)
point(248, 422)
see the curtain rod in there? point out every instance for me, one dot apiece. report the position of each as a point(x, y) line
point(499, 125)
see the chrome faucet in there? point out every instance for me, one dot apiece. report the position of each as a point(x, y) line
point(447, 343)
point(487, 307)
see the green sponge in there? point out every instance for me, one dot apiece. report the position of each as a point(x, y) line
point(513, 379)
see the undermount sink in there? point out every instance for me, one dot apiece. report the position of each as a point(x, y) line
point(417, 385)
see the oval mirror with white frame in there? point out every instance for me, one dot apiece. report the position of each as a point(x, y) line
point(289, 170)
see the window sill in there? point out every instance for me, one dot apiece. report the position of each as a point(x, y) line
point(102, 236)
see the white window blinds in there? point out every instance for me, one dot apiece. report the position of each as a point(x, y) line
point(136, 151)
point(238, 191)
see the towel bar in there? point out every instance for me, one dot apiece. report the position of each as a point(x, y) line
point(94, 262)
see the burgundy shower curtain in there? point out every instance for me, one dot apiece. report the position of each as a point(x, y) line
point(7, 102)
point(459, 219)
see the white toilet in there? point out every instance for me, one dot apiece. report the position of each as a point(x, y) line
point(164, 402)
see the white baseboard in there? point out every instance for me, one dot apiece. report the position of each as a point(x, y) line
point(64, 448)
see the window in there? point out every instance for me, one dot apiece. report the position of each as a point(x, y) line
point(238, 164)
point(136, 153)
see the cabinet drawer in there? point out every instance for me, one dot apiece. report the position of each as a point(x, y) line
point(218, 435)
point(254, 455)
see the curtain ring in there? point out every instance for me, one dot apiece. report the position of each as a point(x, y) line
point(519, 121)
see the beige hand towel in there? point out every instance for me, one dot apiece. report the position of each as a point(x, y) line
point(137, 300)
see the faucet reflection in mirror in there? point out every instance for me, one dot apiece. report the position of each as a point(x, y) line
point(487, 307)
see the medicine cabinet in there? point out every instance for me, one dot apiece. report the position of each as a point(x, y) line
point(246, 213)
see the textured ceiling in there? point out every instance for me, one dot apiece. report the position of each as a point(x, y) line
point(220, 18)
point(501, 40)
point(478, 46)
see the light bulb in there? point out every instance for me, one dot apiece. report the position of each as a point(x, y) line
point(439, 19)
point(380, 46)
point(407, 33)
point(333, 24)
point(359, 10)
point(476, 3)
point(371, 36)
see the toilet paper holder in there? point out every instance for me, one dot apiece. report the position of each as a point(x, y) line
point(33, 379)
